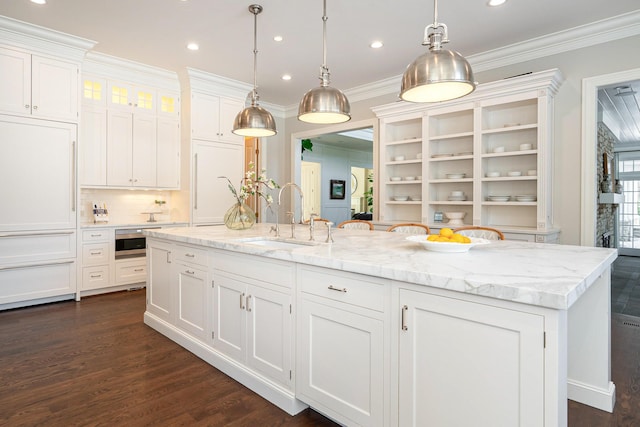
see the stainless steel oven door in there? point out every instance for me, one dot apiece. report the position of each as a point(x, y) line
point(130, 243)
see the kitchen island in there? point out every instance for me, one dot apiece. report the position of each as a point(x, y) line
point(374, 330)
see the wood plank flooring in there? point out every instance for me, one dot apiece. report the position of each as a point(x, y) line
point(94, 363)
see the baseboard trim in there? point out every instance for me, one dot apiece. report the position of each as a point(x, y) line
point(282, 398)
point(604, 399)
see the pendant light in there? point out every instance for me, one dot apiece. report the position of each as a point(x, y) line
point(254, 121)
point(324, 104)
point(440, 74)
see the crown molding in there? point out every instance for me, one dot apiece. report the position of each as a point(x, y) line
point(43, 40)
point(213, 84)
point(111, 67)
point(606, 30)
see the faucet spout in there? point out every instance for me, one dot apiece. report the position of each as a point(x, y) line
point(297, 187)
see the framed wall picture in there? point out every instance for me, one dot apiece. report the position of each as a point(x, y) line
point(337, 189)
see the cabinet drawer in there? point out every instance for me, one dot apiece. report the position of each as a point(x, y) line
point(31, 282)
point(95, 277)
point(270, 271)
point(95, 253)
point(358, 290)
point(97, 235)
point(36, 246)
point(190, 255)
point(131, 271)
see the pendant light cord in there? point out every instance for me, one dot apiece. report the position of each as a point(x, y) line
point(254, 96)
point(324, 70)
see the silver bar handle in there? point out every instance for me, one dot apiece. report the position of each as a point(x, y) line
point(404, 320)
point(195, 181)
point(189, 272)
point(333, 288)
point(248, 300)
point(168, 257)
point(189, 255)
point(37, 264)
point(242, 301)
point(37, 233)
point(138, 269)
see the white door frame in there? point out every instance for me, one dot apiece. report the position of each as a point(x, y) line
point(589, 184)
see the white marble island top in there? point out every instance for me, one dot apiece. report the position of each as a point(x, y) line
point(545, 275)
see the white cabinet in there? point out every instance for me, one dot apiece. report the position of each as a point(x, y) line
point(159, 280)
point(191, 280)
point(487, 155)
point(97, 253)
point(340, 357)
point(130, 135)
point(168, 153)
point(212, 118)
point(37, 174)
point(38, 86)
point(131, 149)
point(497, 355)
point(211, 196)
point(252, 316)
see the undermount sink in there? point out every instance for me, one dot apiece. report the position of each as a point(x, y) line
point(276, 243)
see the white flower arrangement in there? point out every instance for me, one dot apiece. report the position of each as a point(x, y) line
point(253, 184)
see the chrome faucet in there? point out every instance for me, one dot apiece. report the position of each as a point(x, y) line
point(297, 187)
point(312, 224)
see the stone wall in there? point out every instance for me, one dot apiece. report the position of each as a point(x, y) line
point(605, 220)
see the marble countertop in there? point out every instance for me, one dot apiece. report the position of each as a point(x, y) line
point(132, 224)
point(547, 275)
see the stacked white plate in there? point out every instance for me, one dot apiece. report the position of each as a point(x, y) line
point(526, 198)
point(498, 198)
point(455, 175)
point(457, 198)
point(437, 156)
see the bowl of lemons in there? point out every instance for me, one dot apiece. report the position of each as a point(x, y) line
point(447, 241)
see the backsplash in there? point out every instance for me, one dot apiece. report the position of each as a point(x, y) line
point(126, 206)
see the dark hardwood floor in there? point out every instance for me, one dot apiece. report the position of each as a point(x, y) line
point(94, 363)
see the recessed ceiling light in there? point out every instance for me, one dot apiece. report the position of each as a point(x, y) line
point(496, 2)
point(376, 44)
point(278, 38)
point(39, 1)
point(286, 77)
point(193, 46)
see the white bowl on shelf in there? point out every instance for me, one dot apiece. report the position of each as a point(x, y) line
point(401, 198)
point(409, 178)
point(492, 174)
point(525, 147)
point(416, 198)
point(396, 178)
point(455, 175)
point(419, 178)
point(457, 193)
point(514, 173)
point(498, 150)
point(398, 158)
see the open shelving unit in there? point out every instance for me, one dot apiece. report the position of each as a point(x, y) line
point(493, 146)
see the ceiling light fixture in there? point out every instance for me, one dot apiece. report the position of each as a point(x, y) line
point(286, 77)
point(440, 74)
point(254, 121)
point(193, 46)
point(376, 44)
point(39, 1)
point(324, 104)
point(494, 3)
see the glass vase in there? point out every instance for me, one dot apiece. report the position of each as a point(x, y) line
point(239, 217)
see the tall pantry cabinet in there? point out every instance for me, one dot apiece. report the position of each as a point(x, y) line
point(210, 149)
point(38, 163)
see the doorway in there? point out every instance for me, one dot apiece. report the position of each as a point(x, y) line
point(310, 182)
point(629, 210)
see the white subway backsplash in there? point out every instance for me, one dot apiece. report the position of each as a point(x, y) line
point(126, 206)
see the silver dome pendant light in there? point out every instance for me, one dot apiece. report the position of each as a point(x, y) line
point(254, 121)
point(440, 74)
point(324, 104)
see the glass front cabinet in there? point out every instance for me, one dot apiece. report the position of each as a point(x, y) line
point(486, 156)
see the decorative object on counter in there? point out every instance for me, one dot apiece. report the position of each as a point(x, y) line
point(100, 212)
point(324, 104)
point(240, 216)
point(254, 121)
point(618, 187)
point(451, 247)
point(151, 215)
point(440, 74)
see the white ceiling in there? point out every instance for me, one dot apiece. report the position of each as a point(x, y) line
point(155, 32)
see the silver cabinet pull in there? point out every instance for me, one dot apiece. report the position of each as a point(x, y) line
point(95, 276)
point(242, 301)
point(73, 176)
point(189, 255)
point(404, 323)
point(27, 106)
point(189, 272)
point(96, 253)
point(168, 257)
point(38, 233)
point(96, 235)
point(35, 107)
point(195, 181)
point(139, 269)
point(331, 287)
point(248, 299)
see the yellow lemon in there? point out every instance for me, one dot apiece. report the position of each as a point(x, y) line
point(432, 237)
point(466, 239)
point(458, 238)
point(446, 232)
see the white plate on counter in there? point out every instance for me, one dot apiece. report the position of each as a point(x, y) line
point(450, 247)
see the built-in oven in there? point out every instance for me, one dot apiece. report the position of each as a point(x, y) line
point(130, 243)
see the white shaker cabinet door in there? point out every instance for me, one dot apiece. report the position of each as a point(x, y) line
point(144, 150)
point(15, 84)
point(498, 355)
point(168, 154)
point(37, 174)
point(54, 92)
point(229, 316)
point(119, 148)
point(159, 280)
point(192, 301)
